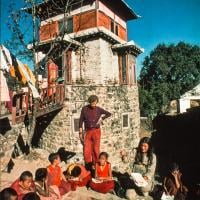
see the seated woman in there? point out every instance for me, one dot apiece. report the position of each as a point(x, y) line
point(103, 182)
point(42, 189)
point(145, 164)
point(173, 185)
point(78, 174)
point(24, 184)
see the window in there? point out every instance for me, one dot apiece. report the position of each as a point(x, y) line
point(68, 75)
point(114, 27)
point(123, 72)
point(131, 68)
point(66, 26)
point(125, 120)
point(75, 124)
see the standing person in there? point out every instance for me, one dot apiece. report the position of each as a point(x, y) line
point(103, 174)
point(145, 164)
point(92, 117)
point(173, 185)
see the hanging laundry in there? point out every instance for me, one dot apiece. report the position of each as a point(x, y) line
point(26, 76)
point(30, 73)
point(4, 92)
point(18, 70)
point(5, 58)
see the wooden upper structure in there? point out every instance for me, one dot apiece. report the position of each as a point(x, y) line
point(81, 15)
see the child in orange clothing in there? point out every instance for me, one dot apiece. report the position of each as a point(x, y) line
point(24, 184)
point(103, 174)
point(56, 177)
point(78, 174)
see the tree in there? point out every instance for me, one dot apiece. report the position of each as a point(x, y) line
point(167, 73)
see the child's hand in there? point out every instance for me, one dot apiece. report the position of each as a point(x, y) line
point(146, 178)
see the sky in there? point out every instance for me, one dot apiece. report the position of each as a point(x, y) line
point(161, 21)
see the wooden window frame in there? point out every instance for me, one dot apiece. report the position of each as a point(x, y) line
point(61, 21)
point(115, 27)
point(121, 69)
point(68, 67)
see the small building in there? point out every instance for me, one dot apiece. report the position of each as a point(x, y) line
point(190, 99)
point(90, 47)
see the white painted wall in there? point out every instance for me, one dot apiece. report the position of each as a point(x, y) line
point(184, 104)
point(98, 63)
point(109, 62)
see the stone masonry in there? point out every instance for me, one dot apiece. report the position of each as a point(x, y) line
point(116, 99)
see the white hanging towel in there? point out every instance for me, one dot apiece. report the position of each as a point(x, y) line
point(4, 92)
point(4, 65)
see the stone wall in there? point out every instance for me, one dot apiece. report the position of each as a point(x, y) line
point(12, 142)
point(116, 99)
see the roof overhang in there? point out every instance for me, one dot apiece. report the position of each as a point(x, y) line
point(96, 32)
point(121, 8)
point(57, 43)
point(131, 47)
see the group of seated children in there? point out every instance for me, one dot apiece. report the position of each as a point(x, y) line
point(51, 183)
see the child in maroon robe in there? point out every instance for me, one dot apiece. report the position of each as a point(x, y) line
point(24, 184)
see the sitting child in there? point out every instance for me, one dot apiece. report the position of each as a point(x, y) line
point(78, 174)
point(104, 182)
point(56, 177)
point(41, 188)
point(173, 185)
point(8, 194)
point(31, 196)
point(24, 184)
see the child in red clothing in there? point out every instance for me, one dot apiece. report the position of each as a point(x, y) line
point(56, 177)
point(24, 184)
point(103, 174)
point(78, 174)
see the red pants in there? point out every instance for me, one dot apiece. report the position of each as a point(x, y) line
point(103, 187)
point(92, 145)
point(66, 186)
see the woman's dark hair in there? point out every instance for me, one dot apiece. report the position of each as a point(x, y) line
point(173, 166)
point(76, 171)
point(31, 196)
point(24, 175)
point(138, 157)
point(93, 98)
point(103, 154)
point(7, 193)
point(52, 157)
point(40, 174)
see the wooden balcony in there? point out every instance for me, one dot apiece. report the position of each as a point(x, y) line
point(52, 98)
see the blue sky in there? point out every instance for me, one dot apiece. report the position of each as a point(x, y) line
point(162, 21)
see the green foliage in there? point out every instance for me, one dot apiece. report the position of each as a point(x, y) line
point(168, 72)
